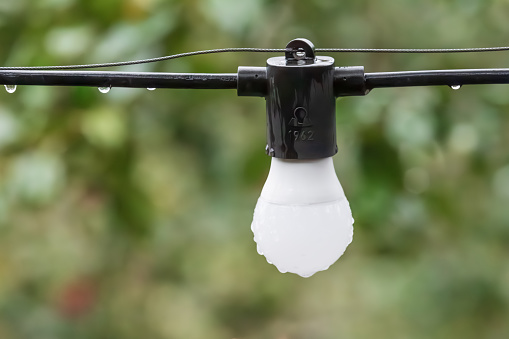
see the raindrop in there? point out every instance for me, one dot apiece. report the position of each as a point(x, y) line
point(455, 87)
point(151, 88)
point(104, 90)
point(10, 88)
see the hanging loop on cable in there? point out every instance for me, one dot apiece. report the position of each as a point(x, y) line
point(300, 50)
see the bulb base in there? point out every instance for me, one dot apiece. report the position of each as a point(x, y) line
point(301, 106)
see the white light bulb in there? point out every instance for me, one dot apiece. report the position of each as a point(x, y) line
point(302, 222)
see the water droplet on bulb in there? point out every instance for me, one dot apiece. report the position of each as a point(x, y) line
point(104, 90)
point(455, 87)
point(151, 88)
point(10, 88)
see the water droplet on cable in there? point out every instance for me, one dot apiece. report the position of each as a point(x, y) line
point(104, 90)
point(10, 88)
point(455, 87)
point(151, 88)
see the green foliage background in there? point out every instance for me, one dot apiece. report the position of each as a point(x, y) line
point(127, 215)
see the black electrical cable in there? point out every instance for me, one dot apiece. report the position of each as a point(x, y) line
point(261, 50)
point(369, 81)
point(119, 79)
point(452, 77)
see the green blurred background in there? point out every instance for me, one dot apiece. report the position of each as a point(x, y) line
point(127, 214)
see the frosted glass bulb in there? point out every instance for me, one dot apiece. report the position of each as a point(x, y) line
point(302, 222)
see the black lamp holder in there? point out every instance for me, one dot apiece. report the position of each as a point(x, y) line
point(300, 90)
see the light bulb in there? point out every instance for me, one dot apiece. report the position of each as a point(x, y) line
point(302, 222)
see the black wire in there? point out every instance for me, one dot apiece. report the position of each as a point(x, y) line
point(412, 50)
point(146, 61)
point(261, 50)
